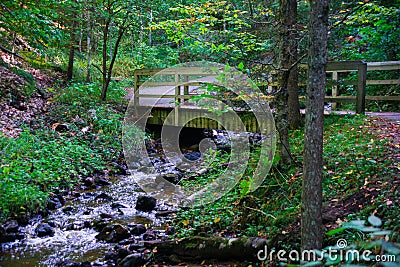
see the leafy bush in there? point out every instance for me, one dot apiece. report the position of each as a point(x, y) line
point(352, 156)
point(34, 165)
point(372, 244)
point(88, 94)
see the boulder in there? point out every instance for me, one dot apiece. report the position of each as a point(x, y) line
point(10, 237)
point(138, 229)
point(113, 233)
point(146, 203)
point(99, 225)
point(68, 209)
point(192, 156)
point(172, 177)
point(133, 260)
point(11, 226)
point(122, 252)
point(117, 205)
point(44, 230)
point(88, 181)
point(101, 181)
point(53, 203)
point(149, 235)
point(61, 127)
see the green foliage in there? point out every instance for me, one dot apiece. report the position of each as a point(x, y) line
point(371, 33)
point(31, 20)
point(145, 56)
point(35, 164)
point(213, 31)
point(268, 211)
point(43, 161)
point(87, 94)
point(371, 245)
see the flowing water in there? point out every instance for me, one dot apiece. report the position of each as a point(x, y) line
point(74, 237)
point(75, 223)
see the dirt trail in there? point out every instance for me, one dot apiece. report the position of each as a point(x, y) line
point(393, 116)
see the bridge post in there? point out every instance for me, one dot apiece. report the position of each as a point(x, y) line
point(361, 87)
point(335, 88)
point(136, 90)
point(176, 99)
point(185, 87)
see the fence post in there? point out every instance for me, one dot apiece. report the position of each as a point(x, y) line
point(185, 87)
point(361, 87)
point(136, 90)
point(335, 88)
point(176, 99)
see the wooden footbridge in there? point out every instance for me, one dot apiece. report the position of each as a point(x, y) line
point(171, 94)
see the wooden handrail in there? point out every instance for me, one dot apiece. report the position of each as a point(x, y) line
point(179, 80)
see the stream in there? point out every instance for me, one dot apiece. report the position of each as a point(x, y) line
point(101, 224)
point(77, 223)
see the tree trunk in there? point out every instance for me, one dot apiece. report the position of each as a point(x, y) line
point(293, 99)
point(5, 50)
point(281, 95)
point(70, 69)
point(141, 29)
point(104, 61)
point(150, 31)
point(200, 248)
point(293, 88)
point(108, 71)
point(110, 38)
point(13, 47)
point(80, 38)
point(281, 117)
point(110, 22)
point(88, 43)
point(311, 219)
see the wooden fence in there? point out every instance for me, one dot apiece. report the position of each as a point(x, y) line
point(359, 67)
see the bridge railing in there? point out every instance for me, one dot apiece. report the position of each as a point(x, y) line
point(337, 68)
point(364, 72)
point(178, 79)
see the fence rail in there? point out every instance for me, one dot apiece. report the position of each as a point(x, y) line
point(178, 81)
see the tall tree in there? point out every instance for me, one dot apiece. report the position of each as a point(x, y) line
point(114, 14)
point(293, 88)
point(71, 57)
point(89, 33)
point(281, 94)
point(311, 219)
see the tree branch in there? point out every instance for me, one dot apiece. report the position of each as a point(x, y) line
point(5, 50)
point(347, 15)
point(97, 67)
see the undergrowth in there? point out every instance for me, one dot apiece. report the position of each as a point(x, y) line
point(44, 159)
point(354, 158)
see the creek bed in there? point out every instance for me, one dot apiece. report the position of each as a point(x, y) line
point(74, 225)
